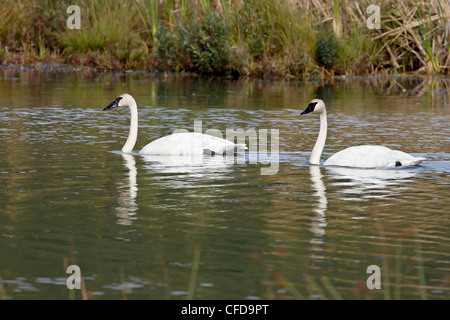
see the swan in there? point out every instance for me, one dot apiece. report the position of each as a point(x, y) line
point(183, 143)
point(367, 156)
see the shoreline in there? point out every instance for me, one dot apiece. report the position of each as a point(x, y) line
point(56, 66)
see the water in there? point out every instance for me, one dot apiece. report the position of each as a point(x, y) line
point(146, 228)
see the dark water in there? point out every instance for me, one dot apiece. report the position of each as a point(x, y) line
point(146, 228)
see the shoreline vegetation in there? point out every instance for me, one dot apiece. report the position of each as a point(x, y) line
point(291, 39)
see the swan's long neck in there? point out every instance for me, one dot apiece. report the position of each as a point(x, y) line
point(320, 143)
point(132, 136)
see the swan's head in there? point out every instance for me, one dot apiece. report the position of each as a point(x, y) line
point(124, 100)
point(315, 105)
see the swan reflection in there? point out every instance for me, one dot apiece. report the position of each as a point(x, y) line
point(370, 183)
point(319, 221)
point(126, 210)
point(195, 165)
point(173, 171)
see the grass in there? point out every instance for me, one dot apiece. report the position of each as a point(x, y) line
point(148, 14)
point(106, 33)
point(253, 38)
point(415, 35)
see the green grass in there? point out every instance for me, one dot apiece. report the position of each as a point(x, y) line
point(262, 38)
point(103, 24)
point(148, 14)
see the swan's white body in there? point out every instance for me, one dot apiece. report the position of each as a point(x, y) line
point(367, 156)
point(372, 157)
point(183, 143)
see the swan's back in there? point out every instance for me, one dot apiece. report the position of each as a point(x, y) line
point(186, 143)
point(369, 156)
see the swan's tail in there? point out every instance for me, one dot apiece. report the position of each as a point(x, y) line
point(417, 161)
point(412, 162)
point(234, 149)
point(241, 146)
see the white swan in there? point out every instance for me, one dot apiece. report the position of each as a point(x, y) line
point(367, 156)
point(183, 143)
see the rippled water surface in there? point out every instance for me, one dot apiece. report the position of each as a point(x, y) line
point(143, 227)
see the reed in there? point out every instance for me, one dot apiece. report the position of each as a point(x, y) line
point(148, 13)
point(398, 269)
point(421, 271)
point(337, 23)
point(206, 6)
point(194, 272)
point(2, 289)
point(416, 35)
point(330, 288)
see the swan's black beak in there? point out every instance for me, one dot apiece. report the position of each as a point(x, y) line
point(310, 108)
point(113, 104)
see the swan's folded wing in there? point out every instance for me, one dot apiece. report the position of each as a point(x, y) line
point(369, 156)
point(413, 162)
point(190, 143)
point(166, 145)
point(220, 146)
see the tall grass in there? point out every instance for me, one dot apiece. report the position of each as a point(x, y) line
point(148, 12)
point(261, 38)
point(416, 35)
point(107, 33)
